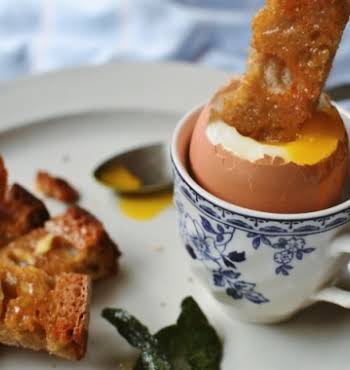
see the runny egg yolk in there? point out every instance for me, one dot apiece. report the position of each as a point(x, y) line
point(318, 138)
point(137, 207)
point(145, 207)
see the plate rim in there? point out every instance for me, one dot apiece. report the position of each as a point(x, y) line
point(113, 86)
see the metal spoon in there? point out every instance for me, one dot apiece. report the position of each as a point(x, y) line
point(339, 92)
point(149, 164)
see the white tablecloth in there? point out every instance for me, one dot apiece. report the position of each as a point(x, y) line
point(41, 35)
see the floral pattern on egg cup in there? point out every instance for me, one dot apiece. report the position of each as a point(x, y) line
point(207, 240)
point(208, 243)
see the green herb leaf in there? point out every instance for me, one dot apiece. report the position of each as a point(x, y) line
point(171, 343)
point(203, 349)
point(191, 344)
point(130, 328)
point(153, 360)
point(138, 336)
point(191, 315)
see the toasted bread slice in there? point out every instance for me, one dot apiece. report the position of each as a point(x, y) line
point(73, 242)
point(20, 212)
point(41, 312)
point(293, 47)
point(3, 179)
point(56, 188)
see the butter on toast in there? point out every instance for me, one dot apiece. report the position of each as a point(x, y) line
point(73, 242)
point(46, 266)
point(41, 312)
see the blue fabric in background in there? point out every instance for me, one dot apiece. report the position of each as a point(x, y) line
point(42, 35)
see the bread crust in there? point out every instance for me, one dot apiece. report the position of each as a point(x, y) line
point(56, 188)
point(46, 267)
point(3, 179)
point(20, 212)
point(293, 47)
point(78, 243)
point(44, 313)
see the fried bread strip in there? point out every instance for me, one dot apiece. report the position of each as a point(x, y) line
point(41, 312)
point(3, 179)
point(73, 242)
point(293, 47)
point(56, 188)
point(20, 211)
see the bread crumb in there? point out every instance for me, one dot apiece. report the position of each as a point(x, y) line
point(158, 248)
point(56, 188)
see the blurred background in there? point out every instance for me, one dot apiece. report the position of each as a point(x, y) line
point(42, 35)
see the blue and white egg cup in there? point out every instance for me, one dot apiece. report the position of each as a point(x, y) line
point(262, 267)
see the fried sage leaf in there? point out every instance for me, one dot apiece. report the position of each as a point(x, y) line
point(191, 344)
point(138, 336)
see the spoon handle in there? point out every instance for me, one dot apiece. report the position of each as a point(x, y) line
point(339, 92)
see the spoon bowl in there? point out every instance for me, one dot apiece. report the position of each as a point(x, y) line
point(142, 170)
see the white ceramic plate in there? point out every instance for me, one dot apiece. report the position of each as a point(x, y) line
point(86, 115)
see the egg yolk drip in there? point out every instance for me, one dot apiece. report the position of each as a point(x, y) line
point(138, 207)
point(145, 207)
point(318, 138)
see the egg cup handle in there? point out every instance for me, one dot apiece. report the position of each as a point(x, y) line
point(333, 294)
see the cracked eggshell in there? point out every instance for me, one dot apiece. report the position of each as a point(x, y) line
point(268, 184)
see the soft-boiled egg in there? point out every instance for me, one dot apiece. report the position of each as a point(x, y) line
point(305, 175)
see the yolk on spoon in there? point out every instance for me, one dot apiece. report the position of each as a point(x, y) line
point(120, 178)
point(137, 207)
